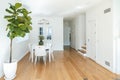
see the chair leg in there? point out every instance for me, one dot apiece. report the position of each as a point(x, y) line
point(52, 56)
point(38, 58)
point(35, 59)
point(30, 57)
point(49, 57)
point(44, 59)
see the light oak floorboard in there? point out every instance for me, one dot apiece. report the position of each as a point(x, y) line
point(68, 65)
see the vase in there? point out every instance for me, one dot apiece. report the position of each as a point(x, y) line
point(41, 42)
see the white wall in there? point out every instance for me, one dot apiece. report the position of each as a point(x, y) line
point(116, 17)
point(67, 30)
point(56, 23)
point(78, 32)
point(73, 39)
point(104, 30)
point(19, 49)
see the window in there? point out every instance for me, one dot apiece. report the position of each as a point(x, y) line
point(41, 30)
point(49, 33)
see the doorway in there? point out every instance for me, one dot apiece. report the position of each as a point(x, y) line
point(67, 33)
point(91, 39)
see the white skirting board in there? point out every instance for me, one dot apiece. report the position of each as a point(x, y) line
point(1, 69)
point(1, 65)
point(1, 74)
point(82, 53)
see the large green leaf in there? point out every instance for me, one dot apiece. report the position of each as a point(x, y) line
point(12, 36)
point(8, 26)
point(29, 18)
point(20, 18)
point(15, 14)
point(22, 34)
point(12, 7)
point(8, 35)
point(9, 11)
point(8, 16)
point(19, 10)
point(25, 11)
point(13, 24)
point(30, 27)
point(22, 26)
point(18, 31)
point(18, 5)
point(11, 20)
point(27, 30)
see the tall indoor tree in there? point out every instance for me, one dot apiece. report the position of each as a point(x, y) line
point(19, 23)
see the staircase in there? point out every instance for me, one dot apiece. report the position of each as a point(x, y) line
point(82, 51)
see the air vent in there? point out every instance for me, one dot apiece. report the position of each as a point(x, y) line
point(107, 63)
point(107, 10)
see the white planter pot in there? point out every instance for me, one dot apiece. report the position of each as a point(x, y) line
point(10, 70)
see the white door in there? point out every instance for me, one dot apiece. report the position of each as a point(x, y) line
point(66, 36)
point(91, 39)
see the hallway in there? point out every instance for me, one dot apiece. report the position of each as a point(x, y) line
point(68, 65)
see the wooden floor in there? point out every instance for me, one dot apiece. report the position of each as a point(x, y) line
point(68, 65)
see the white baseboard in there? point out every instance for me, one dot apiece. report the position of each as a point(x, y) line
point(1, 68)
point(1, 74)
point(23, 56)
point(82, 54)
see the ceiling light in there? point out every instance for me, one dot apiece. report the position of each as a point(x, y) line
point(79, 7)
point(43, 21)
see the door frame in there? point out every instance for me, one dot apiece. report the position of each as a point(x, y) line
point(88, 39)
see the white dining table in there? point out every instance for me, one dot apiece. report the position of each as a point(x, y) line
point(47, 47)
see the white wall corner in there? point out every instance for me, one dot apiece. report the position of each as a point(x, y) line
point(1, 74)
point(1, 69)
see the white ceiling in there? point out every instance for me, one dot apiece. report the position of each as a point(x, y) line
point(65, 8)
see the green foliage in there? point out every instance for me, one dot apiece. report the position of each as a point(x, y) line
point(41, 37)
point(19, 21)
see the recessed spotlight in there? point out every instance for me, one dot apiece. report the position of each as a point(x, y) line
point(79, 7)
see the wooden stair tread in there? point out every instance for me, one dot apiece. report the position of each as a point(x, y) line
point(82, 51)
point(84, 47)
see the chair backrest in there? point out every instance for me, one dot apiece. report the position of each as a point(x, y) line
point(51, 49)
point(40, 51)
point(49, 45)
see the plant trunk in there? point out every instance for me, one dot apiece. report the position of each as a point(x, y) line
point(10, 50)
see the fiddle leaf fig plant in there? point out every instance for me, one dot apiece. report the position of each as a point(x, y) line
point(19, 23)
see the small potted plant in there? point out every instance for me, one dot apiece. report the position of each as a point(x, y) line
point(41, 38)
point(19, 23)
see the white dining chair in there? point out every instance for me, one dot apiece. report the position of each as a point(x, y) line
point(50, 52)
point(51, 56)
point(30, 50)
point(41, 52)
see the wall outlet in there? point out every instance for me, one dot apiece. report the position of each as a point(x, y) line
point(107, 10)
point(107, 63)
